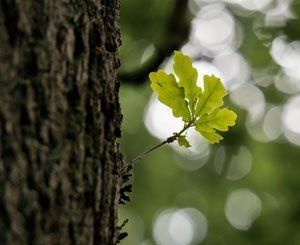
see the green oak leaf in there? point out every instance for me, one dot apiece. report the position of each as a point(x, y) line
point(219, 119)
point(187, 75)
point(212, 96)
point(211, 137)
point(198, 108)
point(170, 93)
point(182, 141)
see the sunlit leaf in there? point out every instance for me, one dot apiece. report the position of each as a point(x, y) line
point(182, 141)
point(212, 96)
point(170, 93)
point(219, 119)
point(199, 109)
point(187, 75)
point(211, 137)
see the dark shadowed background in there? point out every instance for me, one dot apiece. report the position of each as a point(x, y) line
point(245, 190)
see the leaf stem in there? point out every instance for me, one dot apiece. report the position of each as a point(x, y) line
point(167, 141)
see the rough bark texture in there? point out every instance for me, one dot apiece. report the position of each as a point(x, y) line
point(59, 121)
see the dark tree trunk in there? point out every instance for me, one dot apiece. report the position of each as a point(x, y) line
point(59, 122)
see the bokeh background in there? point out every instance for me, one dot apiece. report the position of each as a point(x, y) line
point(245, 190)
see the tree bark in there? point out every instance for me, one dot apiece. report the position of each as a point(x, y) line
point(60, 164)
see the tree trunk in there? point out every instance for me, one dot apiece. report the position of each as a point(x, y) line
point(60, 164)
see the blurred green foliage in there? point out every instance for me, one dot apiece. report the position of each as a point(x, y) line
point(161, 181)
point(142, 24)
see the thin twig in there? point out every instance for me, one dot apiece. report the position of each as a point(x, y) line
point(140, 157)
point(167, 141)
